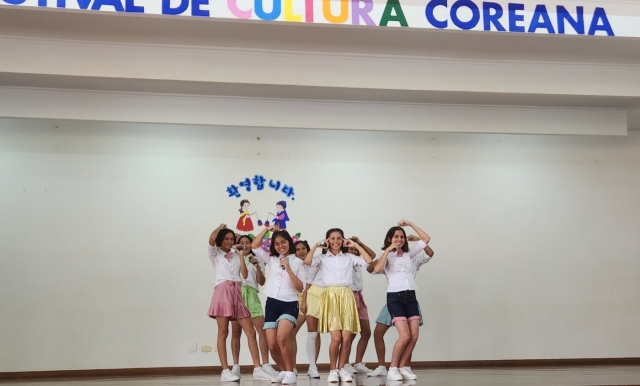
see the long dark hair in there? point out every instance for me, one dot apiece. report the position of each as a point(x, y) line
point(242, 203)
point(389, 236)
point(285, 235)
point(221, 235)
point(329, 232)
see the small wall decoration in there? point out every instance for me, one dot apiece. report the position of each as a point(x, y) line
point(248, 218)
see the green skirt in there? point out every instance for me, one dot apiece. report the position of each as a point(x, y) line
point(252, 301)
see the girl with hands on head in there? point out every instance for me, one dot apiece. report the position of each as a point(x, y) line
point(384, 321)
point(281, 310)
point(227, 303)
point(396, 262)
point(338, 310)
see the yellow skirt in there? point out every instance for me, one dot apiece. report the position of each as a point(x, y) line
point(338, 311)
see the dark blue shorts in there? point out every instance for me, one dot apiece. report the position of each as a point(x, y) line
point(276, 310)
point(403, 305)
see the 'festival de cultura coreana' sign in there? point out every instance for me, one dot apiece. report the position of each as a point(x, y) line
point(611, 18)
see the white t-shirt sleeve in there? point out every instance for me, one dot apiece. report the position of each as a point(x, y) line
point(419, 246)
point(261, 255)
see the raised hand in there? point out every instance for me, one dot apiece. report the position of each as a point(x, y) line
point(240, 250)
point(403, 223)
point(413, 238)
point(349, 243)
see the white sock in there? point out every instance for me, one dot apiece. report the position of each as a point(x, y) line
point(257, 369)
point(311, 348)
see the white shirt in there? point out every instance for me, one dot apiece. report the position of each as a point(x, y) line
point(418, 262)
point(279, 285)
point(357, 283)
point(226, 269)
point(314, 276)
point(252, 270)
point(401, 271)
point(337, 270)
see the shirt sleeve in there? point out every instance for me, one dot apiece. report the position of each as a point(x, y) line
point(262, 255)
point(213, 253)
point(358, 260)
point(316, 261)
point(420, 260)
point(311, 274)
point(301, 271)
point(419, 246)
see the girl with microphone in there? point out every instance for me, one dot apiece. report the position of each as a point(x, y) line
point(281, 310)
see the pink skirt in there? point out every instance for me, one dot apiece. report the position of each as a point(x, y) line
point(227, 302)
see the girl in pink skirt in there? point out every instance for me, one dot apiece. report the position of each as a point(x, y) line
point(227, 303)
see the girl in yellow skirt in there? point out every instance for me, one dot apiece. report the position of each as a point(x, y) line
point(338, 310)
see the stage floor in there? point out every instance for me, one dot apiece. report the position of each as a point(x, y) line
point(543, 376)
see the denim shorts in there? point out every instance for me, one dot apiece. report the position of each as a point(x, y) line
point(385, 318)
point(403, 305)
point(276, 310)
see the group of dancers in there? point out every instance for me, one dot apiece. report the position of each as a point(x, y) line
point(324, 290)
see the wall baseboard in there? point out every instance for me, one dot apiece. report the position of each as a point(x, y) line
point(208, 370)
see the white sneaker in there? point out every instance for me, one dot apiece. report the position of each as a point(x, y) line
point(407, 374)
point(236, 370)
point(313, 372)
point(379, 371)
point(345, 376)
point(278, 378)
point(290, 378)
point(349, 368)
point(394, 374)
point(260, 375)
point(269, 370)
point(228, 376)
point(362, 368)
point(333, 377)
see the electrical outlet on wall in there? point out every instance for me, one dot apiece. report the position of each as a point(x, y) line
point(192, 347)
point(205, 348)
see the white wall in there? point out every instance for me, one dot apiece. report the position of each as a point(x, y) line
point(103, 231)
